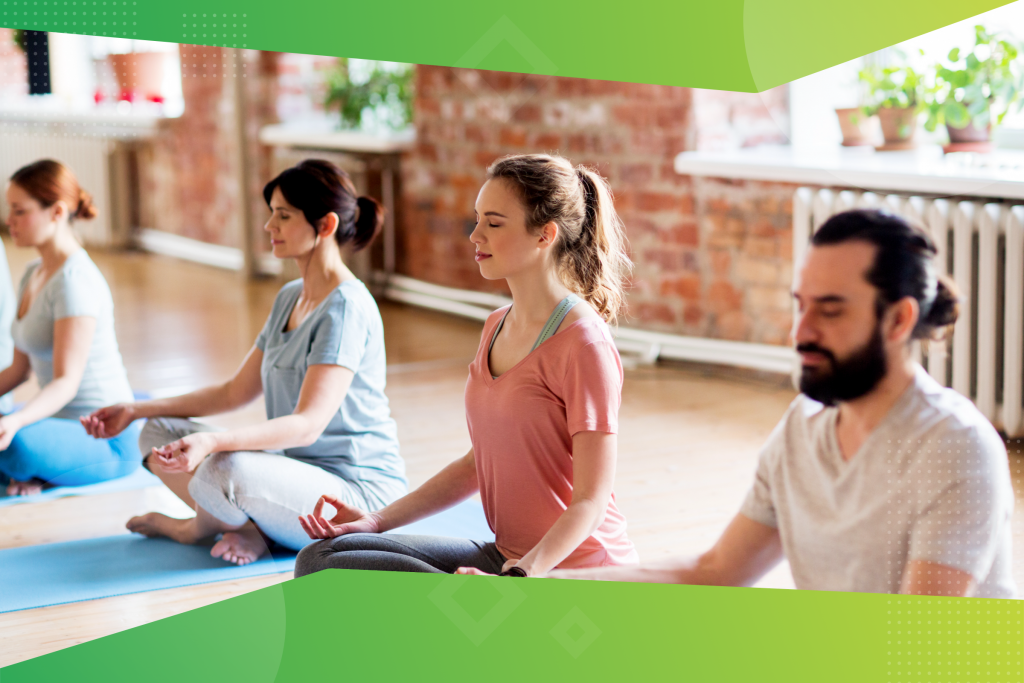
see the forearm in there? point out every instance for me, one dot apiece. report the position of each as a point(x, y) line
point(452, 485)
point(210, 400)
point(11, 378)
point(579, 521)
point(50, 399)
point(287, 431)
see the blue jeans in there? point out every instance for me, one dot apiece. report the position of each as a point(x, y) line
point(60, 453)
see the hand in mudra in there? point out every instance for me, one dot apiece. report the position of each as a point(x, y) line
point(108, 422)
point(347, 520)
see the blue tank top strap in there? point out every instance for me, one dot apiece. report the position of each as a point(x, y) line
point(557, 316)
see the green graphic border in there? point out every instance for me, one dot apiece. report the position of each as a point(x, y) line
point(739, 45)
point(342, 625)
point(352, 625)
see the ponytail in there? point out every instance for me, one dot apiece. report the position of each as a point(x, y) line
point(591, 247)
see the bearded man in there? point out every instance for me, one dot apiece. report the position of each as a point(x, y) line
point(877, 479)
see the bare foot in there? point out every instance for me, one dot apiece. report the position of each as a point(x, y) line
point(154, 524)
point(241, 547)
point(24, 488)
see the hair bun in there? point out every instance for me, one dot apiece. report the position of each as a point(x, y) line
point(945, 309)
point(85, 209)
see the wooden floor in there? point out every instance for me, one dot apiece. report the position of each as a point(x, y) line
point(688, 444)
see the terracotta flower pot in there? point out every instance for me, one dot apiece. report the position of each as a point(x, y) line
point(857, 127)
point(140, 75)
point(969, 138)
point(898, 127)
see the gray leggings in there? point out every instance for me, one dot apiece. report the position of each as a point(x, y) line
point(399, 553)
point(269, 488)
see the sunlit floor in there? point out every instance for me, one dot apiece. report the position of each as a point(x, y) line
point(688, 443)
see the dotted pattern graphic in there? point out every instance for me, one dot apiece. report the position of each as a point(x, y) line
point(954, 640)
point(98, 17)
point(214, 26)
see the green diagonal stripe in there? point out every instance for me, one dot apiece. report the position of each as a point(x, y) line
point(722, 45)
point(350, 625)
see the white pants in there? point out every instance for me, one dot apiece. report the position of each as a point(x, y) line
point(271, 489)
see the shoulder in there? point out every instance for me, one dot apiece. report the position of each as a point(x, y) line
point(81, 270)
point(945, 414)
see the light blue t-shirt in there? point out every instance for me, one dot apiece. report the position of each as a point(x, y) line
point(8, 308)
point(77, 289)
point(361, 440)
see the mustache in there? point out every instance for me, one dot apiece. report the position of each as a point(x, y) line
point(814, 348)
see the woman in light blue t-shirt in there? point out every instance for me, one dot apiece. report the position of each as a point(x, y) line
point(319, 364)
point(63, 333)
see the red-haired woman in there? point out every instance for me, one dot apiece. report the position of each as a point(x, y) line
point(64, 334)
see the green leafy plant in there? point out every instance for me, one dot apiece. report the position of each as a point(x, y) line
point(892, 87)
point(980, 86)
point(386, 93)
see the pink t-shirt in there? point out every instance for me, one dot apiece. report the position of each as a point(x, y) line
point(521, 425)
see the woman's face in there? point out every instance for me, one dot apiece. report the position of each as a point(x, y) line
point(504, 247)
point(30, 223)
point(291, 235)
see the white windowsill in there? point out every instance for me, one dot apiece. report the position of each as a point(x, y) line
point(924, 170)
point(309, 136)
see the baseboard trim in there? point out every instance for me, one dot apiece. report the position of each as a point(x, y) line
point(648, 345)
point(188, 249)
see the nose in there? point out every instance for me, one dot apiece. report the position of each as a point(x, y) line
point(804, 330)
point(475, 236)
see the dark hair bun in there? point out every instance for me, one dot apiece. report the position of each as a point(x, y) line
point(945, 309)
point(85, 210)
point(369, 221)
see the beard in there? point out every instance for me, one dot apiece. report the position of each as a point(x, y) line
point(847, 379)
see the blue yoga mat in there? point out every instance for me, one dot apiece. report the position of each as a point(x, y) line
point(140, 478)
point(58, 573)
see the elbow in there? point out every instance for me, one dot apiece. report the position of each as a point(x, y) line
point(309, 434)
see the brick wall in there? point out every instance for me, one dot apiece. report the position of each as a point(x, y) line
point(711, 257)
point(189, 170)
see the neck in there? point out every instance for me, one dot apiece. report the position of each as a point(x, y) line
point(859, 417)
point(57, 249)
point(535, 294)
point(322, 271)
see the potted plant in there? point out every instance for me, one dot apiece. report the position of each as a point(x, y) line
point(857, 127)
point(895, 95)
point(382, 90)
point(140, 75)
point(975, 90)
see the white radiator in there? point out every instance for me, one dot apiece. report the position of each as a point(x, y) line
point(88, 158)
point(981, 246)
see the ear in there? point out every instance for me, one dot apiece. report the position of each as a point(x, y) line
point(327, 225)
point(902, 319)
point(58, 210)
point(548, 234)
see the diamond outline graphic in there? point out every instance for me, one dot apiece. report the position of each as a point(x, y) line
point(505, 29)
point(573, 617)
point(477, 631)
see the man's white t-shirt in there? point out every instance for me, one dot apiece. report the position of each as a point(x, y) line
point(931, 483)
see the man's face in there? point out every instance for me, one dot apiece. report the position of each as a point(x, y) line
point(836, 330)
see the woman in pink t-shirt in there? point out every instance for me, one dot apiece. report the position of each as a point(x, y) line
point(542, 399)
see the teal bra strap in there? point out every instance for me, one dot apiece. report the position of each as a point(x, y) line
point(557, 316)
